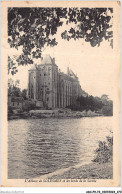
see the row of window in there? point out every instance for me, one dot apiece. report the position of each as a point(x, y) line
point(45, 89)
point(45, 74)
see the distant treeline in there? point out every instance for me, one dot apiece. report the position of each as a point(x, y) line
point(101, 105)
point(14, 89)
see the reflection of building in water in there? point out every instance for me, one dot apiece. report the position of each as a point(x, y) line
point(51, 88)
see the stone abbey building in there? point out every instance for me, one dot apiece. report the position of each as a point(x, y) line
point(49, 87)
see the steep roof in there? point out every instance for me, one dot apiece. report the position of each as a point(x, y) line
point(33, 67)
point(46, 59)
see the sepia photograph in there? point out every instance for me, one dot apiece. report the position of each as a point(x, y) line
point(61, 101)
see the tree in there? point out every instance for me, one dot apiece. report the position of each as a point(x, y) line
point(24, 94)
point(32, 29)
point(89, 103)
point(10, 82)
point(17, 83)
point(13, 88)
point(104, 152)
point(107, 109)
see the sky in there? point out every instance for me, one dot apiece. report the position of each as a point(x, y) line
point(94, 66)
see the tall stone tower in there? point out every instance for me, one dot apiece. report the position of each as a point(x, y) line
point(52, 88)
point(43, 82)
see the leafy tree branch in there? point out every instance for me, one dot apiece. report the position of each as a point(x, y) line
point(33, 29)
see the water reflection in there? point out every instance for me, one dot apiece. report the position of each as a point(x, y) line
point(41, 146)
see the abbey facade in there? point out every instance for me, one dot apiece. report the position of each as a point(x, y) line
point(51, 88)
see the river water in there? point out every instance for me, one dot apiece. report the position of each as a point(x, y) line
point(40, 146)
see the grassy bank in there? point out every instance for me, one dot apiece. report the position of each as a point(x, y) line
point(87, 171)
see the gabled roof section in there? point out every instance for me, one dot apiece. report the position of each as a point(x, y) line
point(33, 67)
point(46, 59)
point(71, 74)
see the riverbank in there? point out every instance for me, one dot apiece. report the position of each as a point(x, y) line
point(57, 113)
point(87, 171)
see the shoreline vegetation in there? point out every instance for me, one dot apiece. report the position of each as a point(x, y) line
point(58, 113)
point(20, 106)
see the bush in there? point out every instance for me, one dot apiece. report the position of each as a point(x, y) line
point(10, 110)
point(104, 153)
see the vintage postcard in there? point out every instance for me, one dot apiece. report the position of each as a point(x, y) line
point(60, 94)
